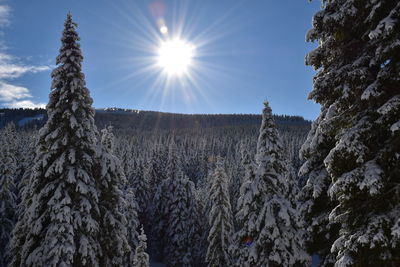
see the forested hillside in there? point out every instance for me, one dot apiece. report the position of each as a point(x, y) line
point(130, 119)
point(145, 157)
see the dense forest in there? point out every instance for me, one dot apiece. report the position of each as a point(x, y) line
point(115, 187)
point(147, 120)
point(145, 154)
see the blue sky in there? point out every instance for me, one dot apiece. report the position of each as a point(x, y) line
point(246, 52)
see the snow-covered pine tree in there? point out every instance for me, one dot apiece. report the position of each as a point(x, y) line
point(276, 241)
point(131, 214)
point(113, 237)
point(162, 198)
point(220, 219)
point(315, 203)
point(8, 206)
point(141, 257)
point(155, 171)
point(155, 174)
point(357, 135)
point(235, 172)
point(27, 154)
point(22, 153)
point(180, 222)
point(21, 227)
point(246, 215)
point(174, 160)
point(62, 218)
point(201, 226)
point(138, 183)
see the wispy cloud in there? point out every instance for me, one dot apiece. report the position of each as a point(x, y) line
point(11, 68)
point(16, 96)
point(4, 15)
point(12, 93)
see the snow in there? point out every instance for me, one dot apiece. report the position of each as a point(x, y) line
point(395, 127)
point(370, 91)
point(372, 180)
point(385, 26)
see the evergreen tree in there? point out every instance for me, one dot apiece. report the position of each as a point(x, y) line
point(138, 183)
point(180, 222)
point(245, 215)
point(155, 174)
point(8, 171)
point(131, 215)
point(113, 238)
point(158, 215)
point(273, 235)
point(25, 197)
point(21, 227)
point(162, 200)
point(174, 161)
point(220, 220)
point(141, 257)
point(278, 242)
point(27, 147)
point(175, 215)
point(315, 201)
point(201, 226)
point(235, 173)
point(61, 225)
point(355, 143)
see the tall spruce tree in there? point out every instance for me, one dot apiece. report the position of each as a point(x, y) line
point(155, 174)
point(113, 238)
point(180, 222)
point(162, 200)
point(8, 198)
point(131, 214)
point(316, 204)
point(21, 226)
point(277, 242)
point(273, 234)
point(24, 195)
point(62, 217)
point(355, 142)
point(138, 183)
point(245, 215)
point(201, 227)
point(27, 147)
point(220, 219)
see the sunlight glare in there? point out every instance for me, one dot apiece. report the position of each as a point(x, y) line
point(175, 56)
point(164, 30)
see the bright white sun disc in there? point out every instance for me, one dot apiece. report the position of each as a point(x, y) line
point(175, 56)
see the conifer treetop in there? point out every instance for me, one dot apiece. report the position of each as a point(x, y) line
point(63, 214)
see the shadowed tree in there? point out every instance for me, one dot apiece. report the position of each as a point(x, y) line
point(352, 151)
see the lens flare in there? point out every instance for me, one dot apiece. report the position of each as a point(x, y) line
point(175, 56)
point(164, 30)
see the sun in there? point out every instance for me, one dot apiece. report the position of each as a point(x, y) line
point(175, 56)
